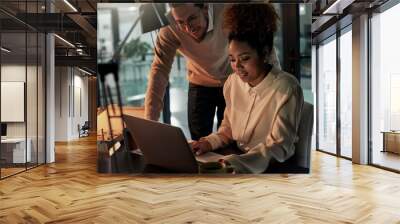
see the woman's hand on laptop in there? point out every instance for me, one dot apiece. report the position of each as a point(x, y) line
point(200, 147)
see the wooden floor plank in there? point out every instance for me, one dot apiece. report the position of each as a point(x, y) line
point(71, 191)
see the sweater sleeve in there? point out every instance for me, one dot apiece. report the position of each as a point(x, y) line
point(224, 134)
point(279, 144)
point(164, 53)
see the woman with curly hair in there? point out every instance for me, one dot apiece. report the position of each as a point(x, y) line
point(263, 103)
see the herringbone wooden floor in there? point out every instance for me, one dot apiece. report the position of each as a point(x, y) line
point(71, 191)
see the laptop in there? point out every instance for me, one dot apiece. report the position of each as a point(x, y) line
point(165, 146)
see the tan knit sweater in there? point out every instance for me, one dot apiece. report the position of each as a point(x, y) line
point(207, 60)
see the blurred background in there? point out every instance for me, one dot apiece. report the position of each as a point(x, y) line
point(292, 42)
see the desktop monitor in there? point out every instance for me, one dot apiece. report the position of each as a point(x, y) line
point(3, 129)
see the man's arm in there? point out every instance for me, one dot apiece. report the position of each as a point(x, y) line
point(164, 53)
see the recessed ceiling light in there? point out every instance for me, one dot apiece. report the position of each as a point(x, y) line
point(132, 8)
point(302, 9)
point(70, 5)
point(5, 50)
point(64, 40)
point(84, 71)
point(337, 7)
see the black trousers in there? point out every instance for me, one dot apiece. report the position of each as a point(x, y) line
point(203, 102)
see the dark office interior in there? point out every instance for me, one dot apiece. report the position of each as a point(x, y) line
point(54, 117)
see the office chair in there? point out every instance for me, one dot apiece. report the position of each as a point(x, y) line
point(300, 161)
point(84, 130)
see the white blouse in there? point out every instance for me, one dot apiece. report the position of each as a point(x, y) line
point(263, 120)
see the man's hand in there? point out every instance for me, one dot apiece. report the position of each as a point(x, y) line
point(200, 147)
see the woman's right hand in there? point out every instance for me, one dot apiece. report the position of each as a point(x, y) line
point(200, 147)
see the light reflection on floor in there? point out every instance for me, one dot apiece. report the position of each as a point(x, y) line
point(386, 159)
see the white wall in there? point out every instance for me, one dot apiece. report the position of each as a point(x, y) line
point(33, 127)
point(71, 94)
point(13, 73)
point(61, 103)
point(50, 95)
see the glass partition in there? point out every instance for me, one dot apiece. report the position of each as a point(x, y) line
point(385, 89)
point(22, 90)
point(346, 93)
point(305, 13)
point(13, 87)
point(327, 96)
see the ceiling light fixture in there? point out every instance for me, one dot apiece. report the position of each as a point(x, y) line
point(5, 50)
point(80, 51)
point(331, 8)
point(132, 8)
point(70, 5)
point(337, 7)
point(64, 40)
point(84, 71)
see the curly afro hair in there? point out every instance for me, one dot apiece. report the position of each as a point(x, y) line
point(254, 24)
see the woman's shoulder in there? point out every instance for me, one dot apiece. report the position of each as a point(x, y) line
point(233, 81)
point(231, 78)
point(286, 79)
point(286, 83)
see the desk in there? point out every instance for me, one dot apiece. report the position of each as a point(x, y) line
point(129, 162)
point(13, 150)
point(103, 134)
point(391, 141)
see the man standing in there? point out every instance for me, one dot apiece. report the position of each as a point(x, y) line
point(195, 30)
